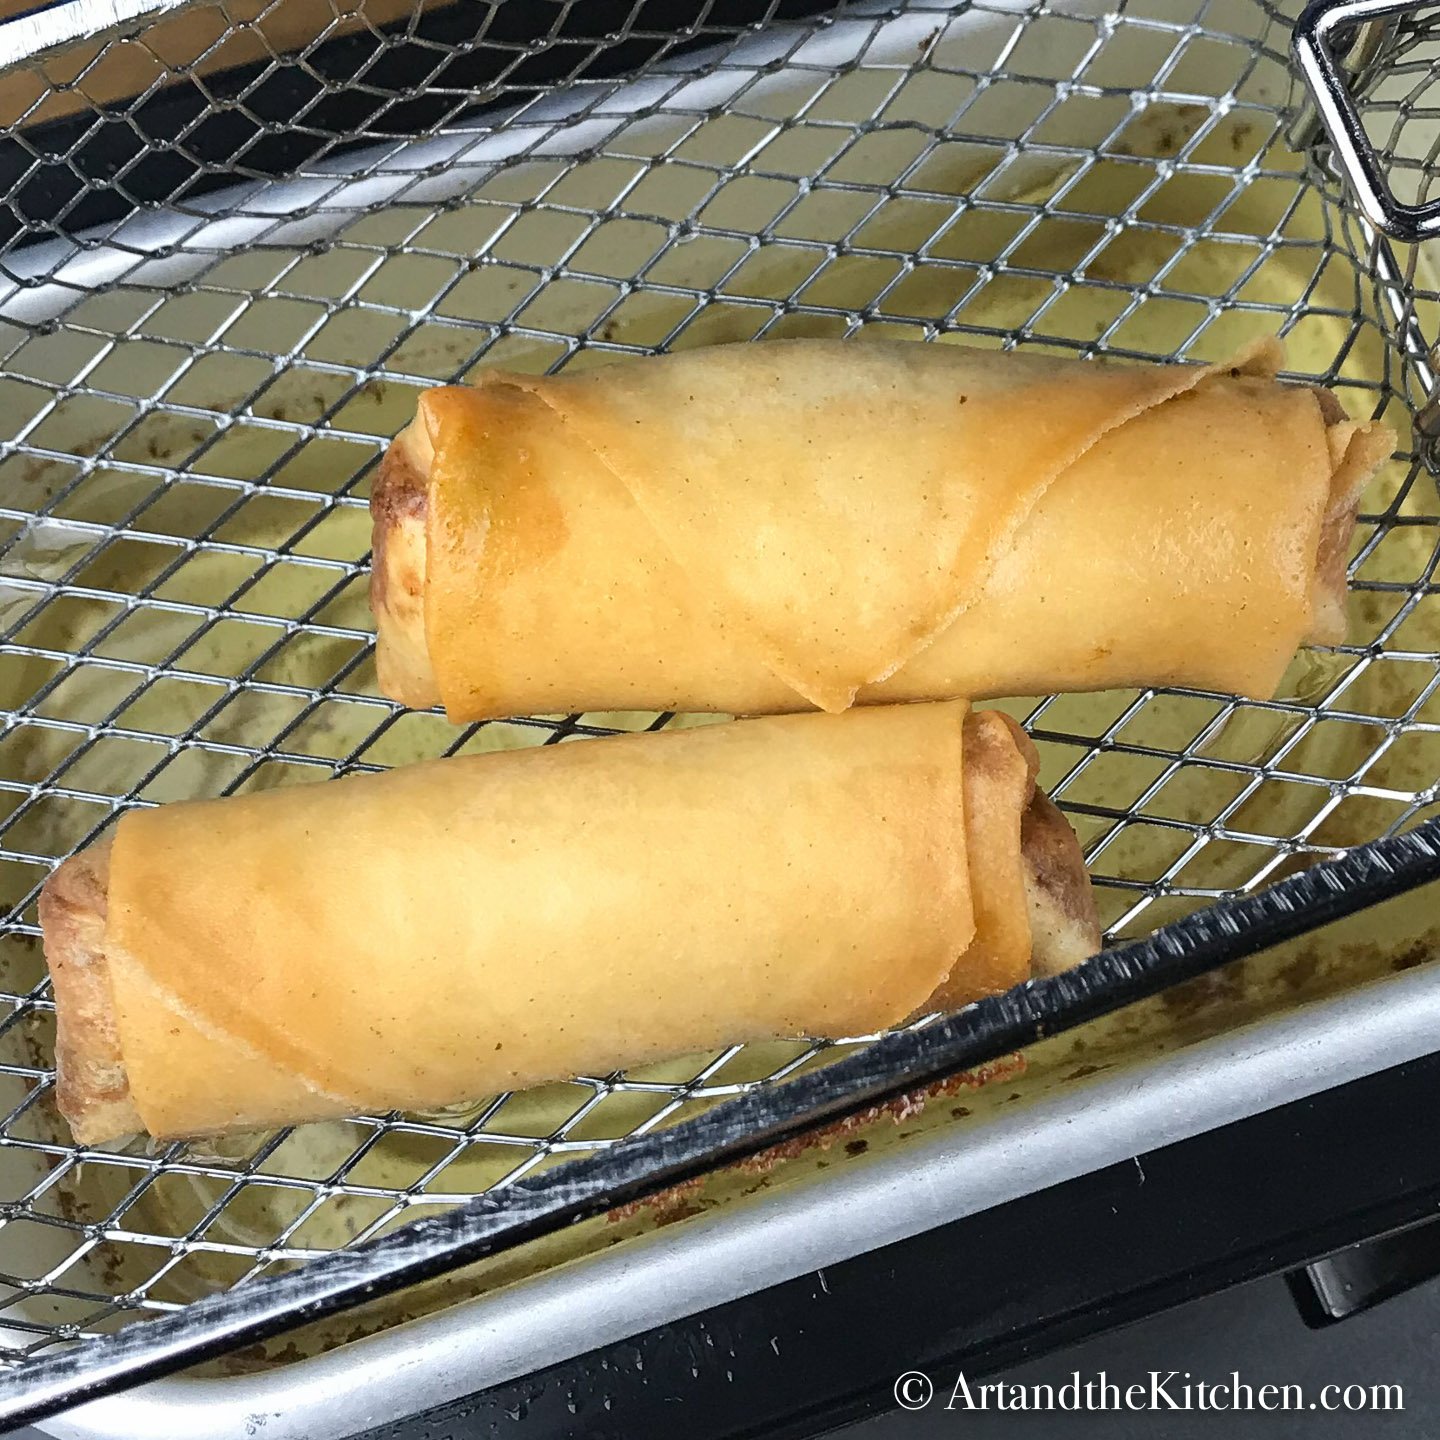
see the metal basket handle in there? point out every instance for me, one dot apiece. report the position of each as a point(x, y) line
point(1333, 43)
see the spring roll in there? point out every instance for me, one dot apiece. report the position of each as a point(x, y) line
point(804, 523)
point(477, 924)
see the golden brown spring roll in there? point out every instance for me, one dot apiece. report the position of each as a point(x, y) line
point(470, 925)
point(775, 526)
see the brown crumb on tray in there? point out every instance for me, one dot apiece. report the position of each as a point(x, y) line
point(680, 1201)
point(669, 1205)
point(902, 1108)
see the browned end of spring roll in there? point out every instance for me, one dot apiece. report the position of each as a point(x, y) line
point(803, 523)
point(397, 571)
point(454, 929)
point(92, 1088)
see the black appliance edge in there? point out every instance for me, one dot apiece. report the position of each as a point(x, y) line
point(1252, 1199)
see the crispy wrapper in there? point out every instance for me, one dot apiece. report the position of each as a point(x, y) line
point(796, 524)
point(477, 924)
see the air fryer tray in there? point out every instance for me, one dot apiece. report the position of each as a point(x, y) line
point(233, 255)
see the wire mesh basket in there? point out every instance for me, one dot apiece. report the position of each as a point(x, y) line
point(236, 242)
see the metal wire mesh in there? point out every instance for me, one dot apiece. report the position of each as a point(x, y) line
point(198, 372)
